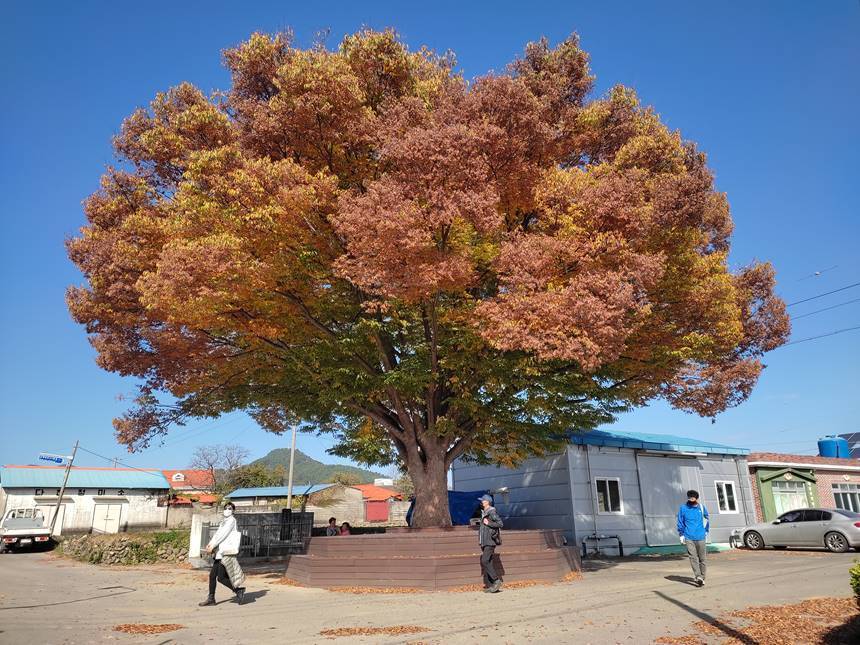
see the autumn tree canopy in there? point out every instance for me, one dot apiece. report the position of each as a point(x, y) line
point(430, 268)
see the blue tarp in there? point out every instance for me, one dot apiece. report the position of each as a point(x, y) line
point(462, 505)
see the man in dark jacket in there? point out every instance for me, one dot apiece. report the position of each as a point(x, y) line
point(489, 537)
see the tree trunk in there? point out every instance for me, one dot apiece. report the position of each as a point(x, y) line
point(430, 479)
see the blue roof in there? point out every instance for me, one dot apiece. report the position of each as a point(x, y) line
point(52, 477)
point(647, 441)
point(277, 491)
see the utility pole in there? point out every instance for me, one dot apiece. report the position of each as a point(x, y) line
point(290, 479)
point(63, 488)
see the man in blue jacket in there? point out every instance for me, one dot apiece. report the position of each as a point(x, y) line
point(693, 526)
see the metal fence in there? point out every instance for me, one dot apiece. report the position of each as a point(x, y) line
point(269, 534)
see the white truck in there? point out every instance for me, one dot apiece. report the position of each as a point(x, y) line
point(24, 528)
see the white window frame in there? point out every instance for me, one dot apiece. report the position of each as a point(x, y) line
point(852, 495)
point(734, 496)
point(620, 496)
point(178, 477)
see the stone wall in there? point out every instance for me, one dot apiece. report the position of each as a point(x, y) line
point(127, 549)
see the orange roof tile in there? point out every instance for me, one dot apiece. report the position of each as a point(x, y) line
point(801, 459)
point(377, 493)
point(194, 479)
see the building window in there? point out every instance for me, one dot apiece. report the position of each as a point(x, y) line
point(726, 497)
point(847, 497)
point(608, 495)
point(178, 477)
point(789, 496)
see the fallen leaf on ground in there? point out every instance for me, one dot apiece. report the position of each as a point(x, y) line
point(394, 630)
point(466, 588)
point(572, 576)
point(679, 640)
point(517, 584)
point(829, 621)
point(143, 628)
point(289, 582)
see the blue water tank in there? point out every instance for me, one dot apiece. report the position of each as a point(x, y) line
point(833, 446)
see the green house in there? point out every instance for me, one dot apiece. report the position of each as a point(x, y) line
point(784, 489)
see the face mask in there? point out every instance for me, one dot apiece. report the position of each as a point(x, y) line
point(228, 512)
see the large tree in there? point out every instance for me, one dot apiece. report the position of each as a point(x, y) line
point(428, 267)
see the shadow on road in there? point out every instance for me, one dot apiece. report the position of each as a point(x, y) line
point(728, 630)
point(69, 602)
point(250, 597)
point(845, 634)
point(597, 563)
point(684, 579)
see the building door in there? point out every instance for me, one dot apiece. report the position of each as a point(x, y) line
point(376, 511)
point(106, 518)
point(789, 496)
point(664, 482)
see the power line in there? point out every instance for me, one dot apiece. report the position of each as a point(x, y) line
point(833, 333)
point(199, 430)
point(152, 472)
point(818, 311)
point(821, 295)
point(818, 273)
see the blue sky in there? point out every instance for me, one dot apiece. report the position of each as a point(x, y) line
point(769, 90)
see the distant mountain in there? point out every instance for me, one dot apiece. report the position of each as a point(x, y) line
point(307, 469)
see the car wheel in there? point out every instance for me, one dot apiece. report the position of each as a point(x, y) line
point(753, 540)
point(836, 542)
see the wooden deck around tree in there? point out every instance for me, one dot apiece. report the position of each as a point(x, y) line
point(429, 559)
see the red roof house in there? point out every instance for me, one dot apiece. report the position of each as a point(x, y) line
point(191, 485)
point(373, 493)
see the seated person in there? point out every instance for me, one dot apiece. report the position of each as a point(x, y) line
point(345, 529)
point(331, 530)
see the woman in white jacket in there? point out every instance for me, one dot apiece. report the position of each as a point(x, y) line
point(225, 568)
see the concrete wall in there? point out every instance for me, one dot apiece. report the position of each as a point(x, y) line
point(139, 508)
point(397, 512)
point(179, 517)
point(539, 492)
point(342, 502)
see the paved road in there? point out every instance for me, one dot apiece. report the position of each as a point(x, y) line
point(47, 600)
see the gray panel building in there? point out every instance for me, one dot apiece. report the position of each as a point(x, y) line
point(622, 484)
